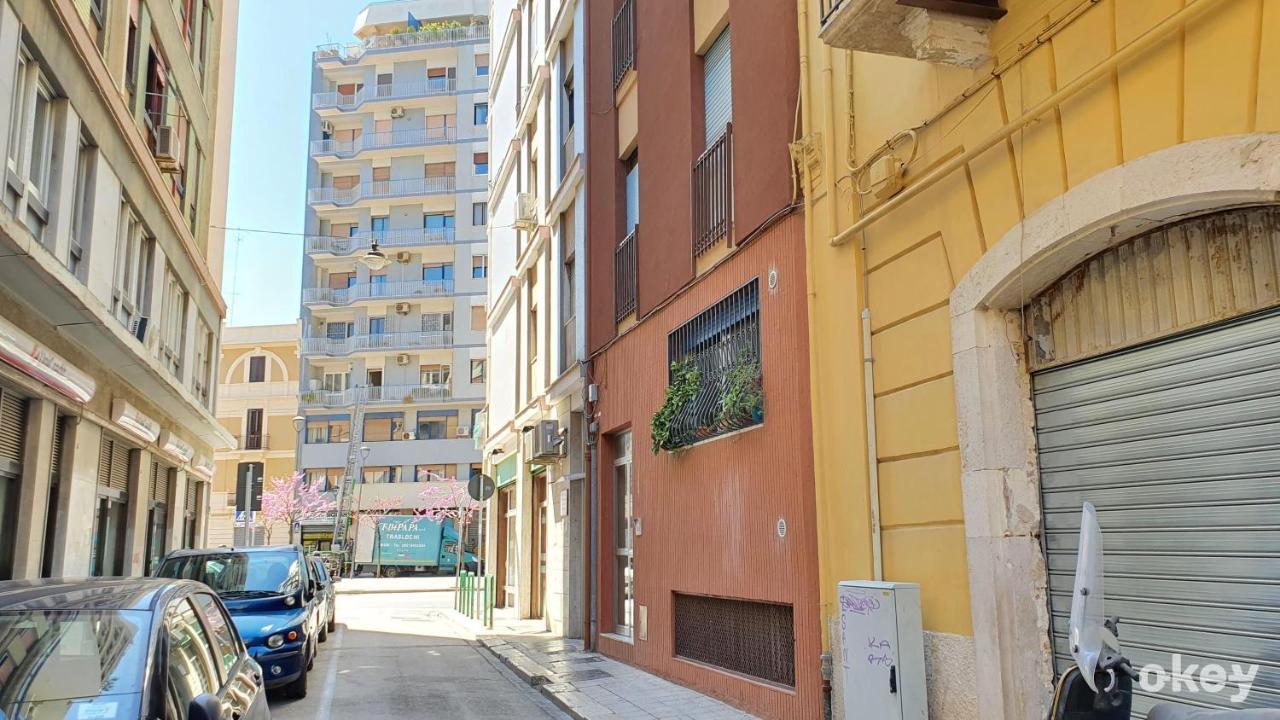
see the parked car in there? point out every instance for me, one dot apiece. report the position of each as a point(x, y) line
point(327, 596)
point(272, 595)
point(123, 648)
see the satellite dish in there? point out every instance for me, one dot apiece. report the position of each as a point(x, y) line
point(480, 487)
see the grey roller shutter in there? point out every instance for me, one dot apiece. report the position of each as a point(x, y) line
point(55, 457)
point(191, 497)
point(717, 88)
point(113, 464)
point(1177, 443)
point(159, 482)
point(13, 431)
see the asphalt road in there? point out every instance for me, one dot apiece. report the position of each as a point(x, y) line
point(396, 655)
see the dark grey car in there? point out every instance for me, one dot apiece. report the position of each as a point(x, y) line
point(123, 648)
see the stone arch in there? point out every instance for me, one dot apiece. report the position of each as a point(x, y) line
point(1007, 575)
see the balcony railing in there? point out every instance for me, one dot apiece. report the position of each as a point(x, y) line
point(258, 390)
point(713, 193)
point(351, 52)
point(253, 441)
point(383, 394)
point(624, 276)
point(373, 291)
point(624, 41)
point(426, 87)
point(385, 140)
point(443, 185)
point(377, 341)
point(386, 239)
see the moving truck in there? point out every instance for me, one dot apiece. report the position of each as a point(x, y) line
point(405, 544)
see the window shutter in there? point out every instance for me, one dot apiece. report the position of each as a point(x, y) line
point(191, 498)
point(159, 483)
point(113, 464)
point(13, 431)
point(55, 461)
point(717, 88)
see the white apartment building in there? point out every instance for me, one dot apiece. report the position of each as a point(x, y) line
point(395, 264)
point(534, 429)
point(113, 124)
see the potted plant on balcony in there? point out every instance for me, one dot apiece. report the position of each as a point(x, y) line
point(685, 380)
point(742, 403)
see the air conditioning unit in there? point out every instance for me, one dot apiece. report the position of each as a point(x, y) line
point(526, 211)
point(403, 257)
point(406, 435)
point(138, 327)
point(397, 112)
point(166, 152)
point(402, 308)
point(463, 431)
point(402, 359)
point(326, 126)
point(547, 443)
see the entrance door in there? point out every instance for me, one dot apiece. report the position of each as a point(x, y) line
point(1175, 443)
point(539, 525)
point(13, 429)
point(507, 555)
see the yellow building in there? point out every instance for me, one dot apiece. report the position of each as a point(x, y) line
point(257, 400)
point(1037, 235)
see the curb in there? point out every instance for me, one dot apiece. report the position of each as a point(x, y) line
point(533, 674)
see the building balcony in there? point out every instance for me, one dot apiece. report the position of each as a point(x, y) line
point(253, 441)
point(424, 137)
point(952, 32)
point(407, 187)
point(415, 90)
point(409, 289)
point(338, 347)
point(386, 239)
point(238, 391)
point(624, 41)
point(381, 395)
point(624, 276)
point(350, 53)
point(713, 194)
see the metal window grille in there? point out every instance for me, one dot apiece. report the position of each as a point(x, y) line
point(723, 344)
point(713, 193)
point(624, 41)
point(624, 276)
point(743, 636)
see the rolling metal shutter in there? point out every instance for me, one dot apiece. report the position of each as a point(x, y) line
point(191, 497)
point(13, 431)
point(113, 464)
point(717, 88)
point(55, 458)
point(159, 482)
point(1177, 444)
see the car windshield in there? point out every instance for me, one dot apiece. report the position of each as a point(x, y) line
point(72, 663)
point(239, 574)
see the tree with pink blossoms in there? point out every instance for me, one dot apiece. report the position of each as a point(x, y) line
point(447, 499)
point(378, 509)
point(293, 500)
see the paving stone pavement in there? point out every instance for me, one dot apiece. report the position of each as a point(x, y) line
point(589, 686)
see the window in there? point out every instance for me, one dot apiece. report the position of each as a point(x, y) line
point(441, 127)
point(481, 163)
point(41, 140)
point(477, 371)
point(224, 636)
point(384, 474)
point(379, 225)
point(474, 470)
point(81, 211)
point(440, 170)
point(434, 374)
point(480, 114)
point(342, 280)
point(17, 114)
point(478, 321)
point(377, 325)
point(482, 64)
point(441, 79)
point(383, 428)
point(253, 437)
point(335, 382)
point(624, 567)
point(192, 670)
point(202, 54)
point(132, 286)
point(430, 473)
point(98, 14)
point(173, 323)
point(326, 479)
point(568, 292)
point(632, 206)
point(437, 322)
point(437, 273)
point(479, 266)
point(438, 221)
point(258, 369)
point(717, 94)
point(328, 430)
point(479, 214)
point(339, 330)
point(131, 59)
point(202, 378)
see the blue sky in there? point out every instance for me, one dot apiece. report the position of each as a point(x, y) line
point(262, 271)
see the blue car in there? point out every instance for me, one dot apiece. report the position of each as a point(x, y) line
point(272, 595)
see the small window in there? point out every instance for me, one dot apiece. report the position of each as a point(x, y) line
point(384, 474)
point(477, 371)
point(481, 163)
point(479, 266)
point(477, 317)
point(258, 369)
point(437, 273)
point(435, 374)
point(482, 64)
point(438, 221)
point(481, 114)
point(479, 214)
point(430, 473)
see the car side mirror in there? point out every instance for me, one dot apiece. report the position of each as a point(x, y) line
point(204, 706)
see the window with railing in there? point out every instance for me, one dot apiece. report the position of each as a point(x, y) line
point(713, 193)
point(716, 383)
point(624, 275)
point(624, 41)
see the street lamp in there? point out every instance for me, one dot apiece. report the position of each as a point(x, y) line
point(364, 453)
point(298, 422)
point(374, 258)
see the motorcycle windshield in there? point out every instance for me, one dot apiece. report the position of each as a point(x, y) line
point(1088, 631)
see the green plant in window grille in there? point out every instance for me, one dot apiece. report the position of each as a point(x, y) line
point(742, 402)
point(664, 427)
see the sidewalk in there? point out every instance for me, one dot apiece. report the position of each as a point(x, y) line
point(363, 586)
point(589, 686)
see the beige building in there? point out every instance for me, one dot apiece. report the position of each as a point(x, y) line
point(257, 399)
point(114, 121)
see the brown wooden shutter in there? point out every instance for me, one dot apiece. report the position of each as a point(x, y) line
point(159, 483)
point(113, 464)
point(13, 430)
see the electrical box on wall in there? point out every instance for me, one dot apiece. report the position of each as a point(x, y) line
point(882, 650)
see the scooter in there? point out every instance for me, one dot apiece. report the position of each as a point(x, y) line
point(1100, 684)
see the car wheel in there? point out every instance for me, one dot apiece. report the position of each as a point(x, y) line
point(298, 688)
point(311, 661)
point(324, 633)
point(391, 572)
point(332, 625)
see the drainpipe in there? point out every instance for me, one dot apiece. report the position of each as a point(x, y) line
point(591, 578)
point(873, 465)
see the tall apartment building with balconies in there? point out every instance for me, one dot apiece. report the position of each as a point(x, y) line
point(395, 262)
point(114, 117)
